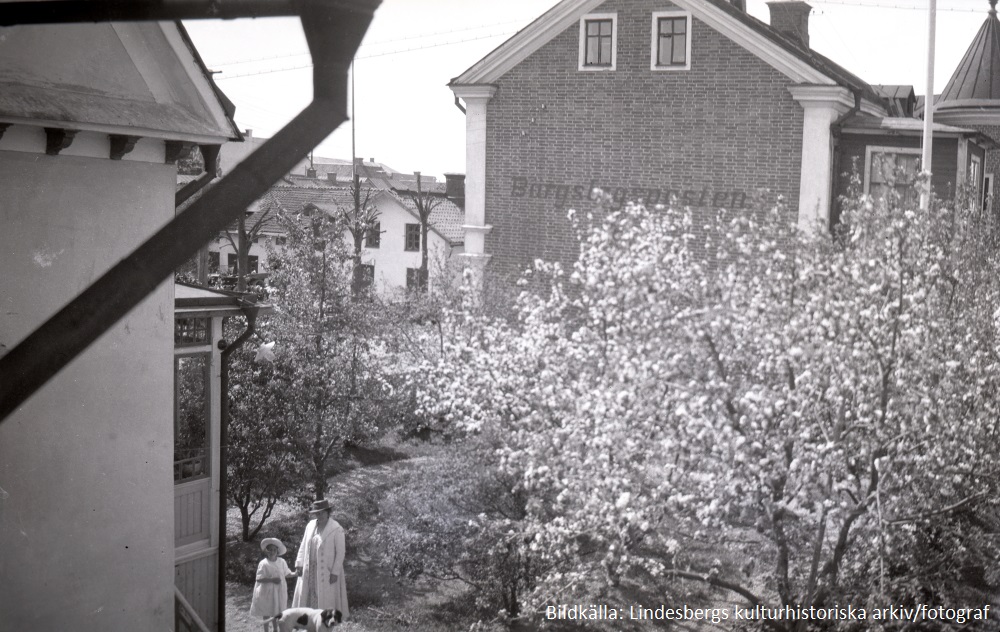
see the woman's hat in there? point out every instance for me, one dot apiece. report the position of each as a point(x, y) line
point(320, 505)
point(276, 542)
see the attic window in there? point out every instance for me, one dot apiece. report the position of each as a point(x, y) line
point(671, 45)
point(598, 41)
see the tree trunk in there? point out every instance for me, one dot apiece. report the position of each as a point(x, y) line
point(422, 282)
point(242, 255)
point(245, 520)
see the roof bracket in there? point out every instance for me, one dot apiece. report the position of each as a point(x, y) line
point(121, 144)
point(58, 139)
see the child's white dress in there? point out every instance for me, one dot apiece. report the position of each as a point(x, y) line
point(269, 599)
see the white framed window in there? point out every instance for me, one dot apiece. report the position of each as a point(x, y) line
point(599, 41)
point(892, 168)
point(975, 177)
point(670, 48)
point(988, 191)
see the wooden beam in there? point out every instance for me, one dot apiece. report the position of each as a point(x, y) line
point(333, 31)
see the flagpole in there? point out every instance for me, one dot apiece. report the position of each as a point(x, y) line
point(354, 153)
point(928, 141)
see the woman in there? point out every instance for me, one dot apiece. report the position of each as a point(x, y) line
point(320, 563)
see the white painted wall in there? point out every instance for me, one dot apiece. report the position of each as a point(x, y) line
point(86, 506)
point(390, 258)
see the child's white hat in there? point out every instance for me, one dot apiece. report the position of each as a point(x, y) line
point(276, 542)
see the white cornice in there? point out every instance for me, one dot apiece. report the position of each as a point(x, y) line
point(822, 96)
point(474, 91)
point(526, 41)
point(471, 228)
point(827, 96)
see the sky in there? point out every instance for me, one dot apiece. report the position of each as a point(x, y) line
point(405, 114)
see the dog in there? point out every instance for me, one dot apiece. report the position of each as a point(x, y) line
point(309, 619)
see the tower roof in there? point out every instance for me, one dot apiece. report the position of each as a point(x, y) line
point(975, 84)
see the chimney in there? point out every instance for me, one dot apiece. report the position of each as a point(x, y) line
point(371, 160)
point(310, 173)
point(791, 18)
point(455, 188)
point(331, 177)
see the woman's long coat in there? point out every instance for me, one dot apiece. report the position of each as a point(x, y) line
point(330, 560)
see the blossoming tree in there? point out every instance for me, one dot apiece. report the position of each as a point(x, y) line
point(692, 400)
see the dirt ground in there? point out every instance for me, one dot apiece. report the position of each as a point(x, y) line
point(379, 602)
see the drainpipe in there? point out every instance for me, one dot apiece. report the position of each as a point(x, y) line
point(251, 314)
point(333, 30)
point(835, 131)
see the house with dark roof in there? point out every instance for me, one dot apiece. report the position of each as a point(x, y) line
point(392, 252)
point(392, 249)
point(691, 100)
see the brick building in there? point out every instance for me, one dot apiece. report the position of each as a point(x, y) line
point(693, 99)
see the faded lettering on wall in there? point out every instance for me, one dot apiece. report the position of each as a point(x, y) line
point(522, 187)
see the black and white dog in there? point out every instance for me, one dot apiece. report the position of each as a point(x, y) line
point(309, 619)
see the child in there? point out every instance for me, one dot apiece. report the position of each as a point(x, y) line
point(270, 593)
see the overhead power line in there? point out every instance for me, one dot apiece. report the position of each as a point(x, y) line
point(221, 77)
point(369, 45)
point(887, 5)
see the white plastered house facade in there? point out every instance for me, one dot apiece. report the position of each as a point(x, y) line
point(398, 255)
point(91, 119)
point(393, 257)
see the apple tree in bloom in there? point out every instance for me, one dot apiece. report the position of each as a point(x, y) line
point(786, 415)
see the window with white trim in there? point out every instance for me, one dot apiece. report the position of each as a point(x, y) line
point(191, 416)
point(671, 43)
point(892, 168)
point(975, 177)
point(988, 191)
point(599, 41)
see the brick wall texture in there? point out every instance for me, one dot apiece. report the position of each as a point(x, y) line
point(724, 129)
point(992, 162)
